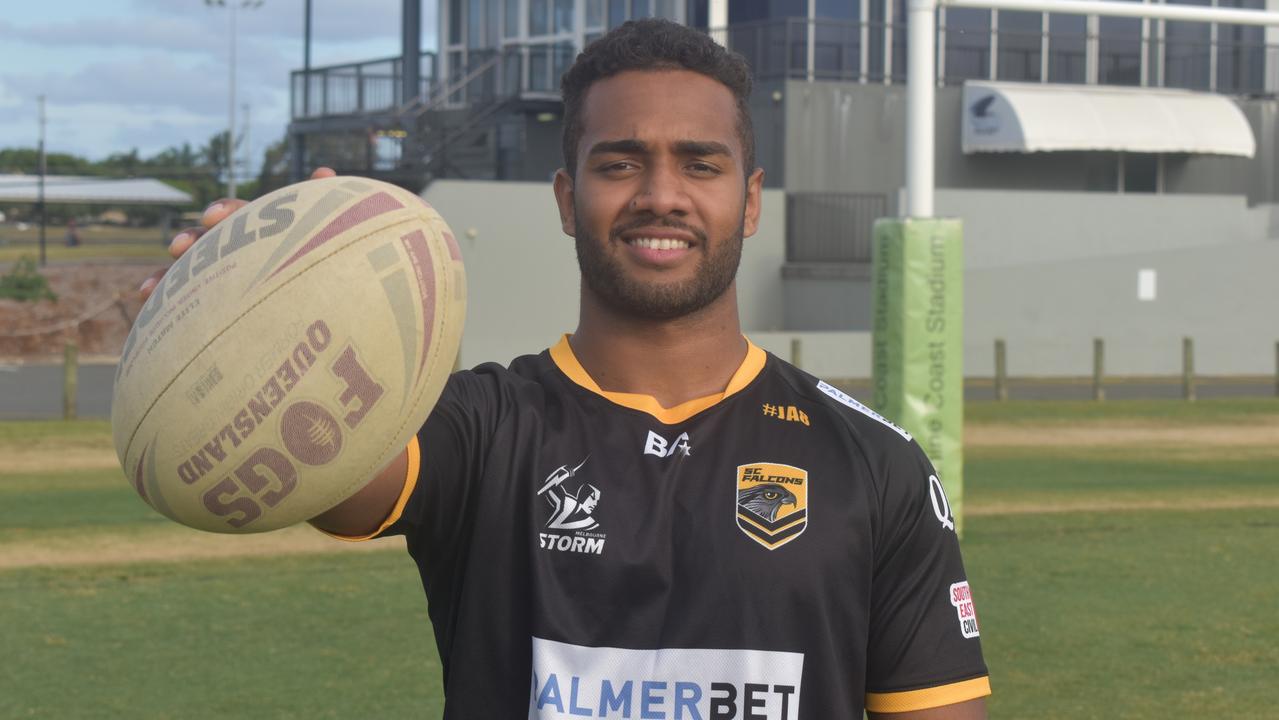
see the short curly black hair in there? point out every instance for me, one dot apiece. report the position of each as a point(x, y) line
point(655, 44)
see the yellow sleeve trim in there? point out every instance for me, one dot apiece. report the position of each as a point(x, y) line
point(410, 482)
point(928, 697)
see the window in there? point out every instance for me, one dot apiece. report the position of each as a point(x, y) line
point(563, 16)
point(967, 44)
point(641, 8)
point(512, 19)
point(1187, 47)
point(1119, 51)
point(1241, 51)
point(475, 23)
point(539, 17)
point(616, 13)
point(1020, 46)
point(455, 22)
point(1066, 48)
point(1140, 172)
point(594, 13)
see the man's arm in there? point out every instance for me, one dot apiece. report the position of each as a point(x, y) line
point(362, 513)
point(968, 710)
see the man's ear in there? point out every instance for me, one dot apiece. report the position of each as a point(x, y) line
point(754, 186)
point(564, 199)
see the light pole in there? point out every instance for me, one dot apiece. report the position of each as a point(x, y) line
point(230, 107)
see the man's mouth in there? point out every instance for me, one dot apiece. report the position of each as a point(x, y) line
point(651, 243)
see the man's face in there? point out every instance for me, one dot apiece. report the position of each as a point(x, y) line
point(661, 201)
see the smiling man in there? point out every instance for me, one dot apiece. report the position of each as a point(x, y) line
point(655, 518)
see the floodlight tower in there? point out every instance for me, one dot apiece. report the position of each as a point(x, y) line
point(230, 108)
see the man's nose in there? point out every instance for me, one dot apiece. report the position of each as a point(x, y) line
point(662, 193)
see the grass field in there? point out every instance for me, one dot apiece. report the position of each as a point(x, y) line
point(1122, 557)
point(98, 242)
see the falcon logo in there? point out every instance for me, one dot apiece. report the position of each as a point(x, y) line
point(772, 502)
point(571, 513)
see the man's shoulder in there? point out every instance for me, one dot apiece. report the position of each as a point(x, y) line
point(852, 413)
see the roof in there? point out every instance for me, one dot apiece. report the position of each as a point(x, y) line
point(90, 190)
point(1043, 117)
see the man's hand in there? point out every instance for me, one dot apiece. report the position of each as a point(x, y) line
point(213, 214)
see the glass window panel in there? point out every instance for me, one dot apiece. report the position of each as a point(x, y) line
point(455, 22)
point(594, 13)
point(512, 18)
point(563, 16)
point(475, 23)
point(539, 66)
point(747, 11)
point(666, 9)
point(539, 17)
point(899, 40)
point(837, 54)
point(1187, 47)
point(967, 44)
point(797, 46)
point(492, 13)
point(1141, 172)
point(1020, 45)
point(1119, 51)
point(641, 8)
point(562, 59)
point(838, 9)
point(875, 45)
point(1066, 48)
point(616, 13)
point(1241, 53)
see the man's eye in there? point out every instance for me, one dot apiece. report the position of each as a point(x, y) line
point(702, 168)
point(620, 166)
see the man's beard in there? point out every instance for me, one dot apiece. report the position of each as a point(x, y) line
point(602, 272)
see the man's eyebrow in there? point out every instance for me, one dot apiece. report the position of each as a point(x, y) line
point(639, 147)
point(618, 146)
point(702, 147)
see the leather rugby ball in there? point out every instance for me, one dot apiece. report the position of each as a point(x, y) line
point(289, 355)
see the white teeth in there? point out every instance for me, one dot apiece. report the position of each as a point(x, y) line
point(658, 243)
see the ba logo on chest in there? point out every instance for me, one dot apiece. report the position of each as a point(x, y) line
point(772, 502)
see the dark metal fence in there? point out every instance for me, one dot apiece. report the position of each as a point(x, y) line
point(355, 88)
point(832, 227)
point(1237, 62)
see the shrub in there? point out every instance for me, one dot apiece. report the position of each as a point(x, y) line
point(24, 282)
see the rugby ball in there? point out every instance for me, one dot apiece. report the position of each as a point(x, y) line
point(289, 355)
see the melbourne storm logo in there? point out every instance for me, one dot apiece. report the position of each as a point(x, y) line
point(572, 504)
point(772, 502)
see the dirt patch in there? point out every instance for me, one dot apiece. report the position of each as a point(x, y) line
point(176, 544)
point(1264, 433)
point(95, 306)
point(36, 460)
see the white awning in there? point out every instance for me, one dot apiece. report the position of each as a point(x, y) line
point(1033, 117)
point(90, 190)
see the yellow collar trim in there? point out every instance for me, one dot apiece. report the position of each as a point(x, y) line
point(566, 361)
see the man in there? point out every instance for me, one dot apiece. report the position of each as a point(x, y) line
point(743, 540)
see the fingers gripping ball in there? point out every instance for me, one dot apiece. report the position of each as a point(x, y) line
point(290, 354)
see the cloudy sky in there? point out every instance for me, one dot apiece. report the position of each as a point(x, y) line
point(147, 74)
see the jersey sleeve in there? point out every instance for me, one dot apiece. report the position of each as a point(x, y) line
point(924, 647)
point(443, 456)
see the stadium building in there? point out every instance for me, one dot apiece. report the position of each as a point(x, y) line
point(1118, 178)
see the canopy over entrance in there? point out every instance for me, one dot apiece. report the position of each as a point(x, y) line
point(1034, 117)
point(90, 190)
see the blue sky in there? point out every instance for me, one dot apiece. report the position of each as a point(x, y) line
point(148, 74)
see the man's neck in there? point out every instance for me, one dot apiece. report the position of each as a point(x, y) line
point(673, 361)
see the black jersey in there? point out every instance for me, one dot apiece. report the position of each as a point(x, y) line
point(777, 551)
